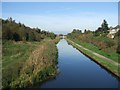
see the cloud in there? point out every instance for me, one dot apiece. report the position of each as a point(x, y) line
point(65, 23)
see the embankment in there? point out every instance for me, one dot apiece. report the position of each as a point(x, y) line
point(37, 67)
point(108, 65)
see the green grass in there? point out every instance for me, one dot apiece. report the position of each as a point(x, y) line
point(112, 55)
point(36, 62)
point(108, 65)
point(14, 56)
point(15, 52)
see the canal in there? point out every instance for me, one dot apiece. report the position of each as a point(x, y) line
point(78, 71)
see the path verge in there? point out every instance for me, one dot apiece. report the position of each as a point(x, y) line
point(107, 63)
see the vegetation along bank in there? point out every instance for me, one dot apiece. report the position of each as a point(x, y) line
point(99, 46)
point(29, 55)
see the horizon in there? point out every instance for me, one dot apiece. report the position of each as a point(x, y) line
point(62, 17)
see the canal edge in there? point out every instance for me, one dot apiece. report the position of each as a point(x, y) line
point(93, 59)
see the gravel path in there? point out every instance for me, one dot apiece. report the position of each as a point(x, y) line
point(98, 55)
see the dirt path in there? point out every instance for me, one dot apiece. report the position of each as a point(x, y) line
point(98, 55)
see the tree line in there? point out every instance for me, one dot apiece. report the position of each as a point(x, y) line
point(19, 32)
point(97, 38)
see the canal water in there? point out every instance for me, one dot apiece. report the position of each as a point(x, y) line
point(78, 71)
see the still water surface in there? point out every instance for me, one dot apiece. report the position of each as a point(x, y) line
point(78, 71)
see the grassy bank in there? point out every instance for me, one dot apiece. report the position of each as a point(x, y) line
point(107, 65)
point(28, 63)
point(109, 54)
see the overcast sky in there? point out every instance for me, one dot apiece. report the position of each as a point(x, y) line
point(62, 17)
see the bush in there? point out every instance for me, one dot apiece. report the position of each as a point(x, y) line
point(118, 49)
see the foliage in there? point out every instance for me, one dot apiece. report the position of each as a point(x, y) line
point(104, 26)
point(29, 54)
point(117, 36)
point(38, 63)
point(100, 43)
point(75, 33)
point(20, 32)
point(102, 30)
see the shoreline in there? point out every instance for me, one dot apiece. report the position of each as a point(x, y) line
point(93, 59)
point(32, 73)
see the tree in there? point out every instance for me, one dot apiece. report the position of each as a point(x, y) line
point(16, 37)
point(27, 36)
point(20, 32)
point(104, 26)
point(118, 49)
point(118, 37)
point(10, 19)
point(32, 36)
point(38, 30)
point(6, 33)
point(20, 24)
point(85, 31)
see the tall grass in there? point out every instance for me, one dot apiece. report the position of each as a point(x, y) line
point(25, 64)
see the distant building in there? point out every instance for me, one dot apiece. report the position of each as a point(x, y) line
point(112, 31)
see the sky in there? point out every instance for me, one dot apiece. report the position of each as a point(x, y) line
point(60, 0)
point(62, 17)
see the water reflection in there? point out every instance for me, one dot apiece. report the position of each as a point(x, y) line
point(78, 71)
